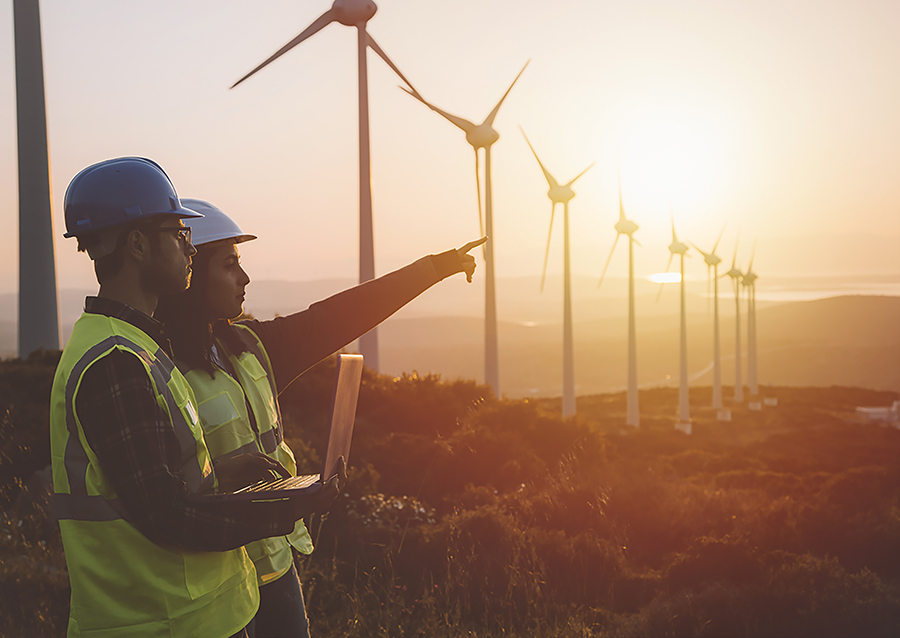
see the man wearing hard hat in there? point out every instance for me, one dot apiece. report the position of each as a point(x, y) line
point(127, 449)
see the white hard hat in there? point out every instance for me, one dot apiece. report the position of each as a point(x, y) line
point(213, 226)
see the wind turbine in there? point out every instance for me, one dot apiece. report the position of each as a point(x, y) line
point(627, 227)
point(712, 275)
point(684, 407)
point(748, 281)
point(483, 136)
point(562, 194)
point(354, 13)
point(38, 301)
point(735, 274)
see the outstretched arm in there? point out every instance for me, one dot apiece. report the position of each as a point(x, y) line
point(297, 342)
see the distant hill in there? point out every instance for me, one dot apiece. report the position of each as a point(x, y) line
point(846, 340)
point(851, 341)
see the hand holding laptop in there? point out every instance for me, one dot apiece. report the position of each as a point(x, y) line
point(319, 502)
point(306, 493)
point(239, 471)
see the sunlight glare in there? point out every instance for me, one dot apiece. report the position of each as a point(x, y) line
point(671, 155)
point(665, 278)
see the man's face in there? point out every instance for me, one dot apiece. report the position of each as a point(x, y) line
point(169, 269)
point(226, 282)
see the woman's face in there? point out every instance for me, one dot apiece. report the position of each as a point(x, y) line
point(226, 282)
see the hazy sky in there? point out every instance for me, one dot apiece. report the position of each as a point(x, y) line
point(778, 117)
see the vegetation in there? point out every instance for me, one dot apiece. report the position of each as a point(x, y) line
point(472, 516)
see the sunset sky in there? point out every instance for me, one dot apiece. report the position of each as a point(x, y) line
point(781, 118)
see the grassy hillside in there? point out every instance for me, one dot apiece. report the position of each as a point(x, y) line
point(472, 516)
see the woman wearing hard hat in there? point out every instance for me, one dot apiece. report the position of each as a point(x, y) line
point(237, 368)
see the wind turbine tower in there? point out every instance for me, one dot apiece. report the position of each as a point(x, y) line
point(627, 227)
point(735, 274)
point(684, 407)
point(38, 301)
point(748, 281)
point(712, 276)
point(483, 136)
point(562, 194)
point(354, 13)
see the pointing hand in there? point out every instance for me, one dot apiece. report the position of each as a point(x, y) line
point(467, 260)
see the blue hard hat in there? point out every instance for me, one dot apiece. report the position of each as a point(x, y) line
point(120, 191)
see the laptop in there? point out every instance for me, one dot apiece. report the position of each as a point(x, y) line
point(337, 448)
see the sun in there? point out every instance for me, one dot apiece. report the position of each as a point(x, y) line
point(671, 156)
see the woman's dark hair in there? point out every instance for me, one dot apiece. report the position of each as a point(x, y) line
point(186, 316)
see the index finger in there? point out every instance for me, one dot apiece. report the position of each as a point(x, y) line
point(473, 244)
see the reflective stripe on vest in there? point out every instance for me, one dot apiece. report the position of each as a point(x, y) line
point(78, 504)
point(271, 438)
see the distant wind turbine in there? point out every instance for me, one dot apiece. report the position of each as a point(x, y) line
point(562, 194)
point(627, 227)
point(354, 13)
point(735, 274)
point(684, 407)
point(712, 271)
point(483, 136)
point(748, 281)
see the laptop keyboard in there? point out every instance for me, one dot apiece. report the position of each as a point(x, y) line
point(290, 483)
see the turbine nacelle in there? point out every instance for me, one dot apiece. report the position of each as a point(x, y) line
point(353, 13)
point(561, 193)
point(711, 259)
point(749, 278)
point(482, 136)
point(626, 226)
point(678, 248)
point(734, 273)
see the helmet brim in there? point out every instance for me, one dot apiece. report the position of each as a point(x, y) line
point(178, 213)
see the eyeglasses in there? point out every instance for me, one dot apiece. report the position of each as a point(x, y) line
point(182, 233)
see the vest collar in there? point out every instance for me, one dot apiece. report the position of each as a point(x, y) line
point(116, 309)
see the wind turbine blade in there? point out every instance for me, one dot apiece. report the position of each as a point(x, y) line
point(377, 49)
point(716, 245)
point(659, 294)
point(672, 217)
point(321, 22)
point(619, 178)
point(608, 259)
point(489, 120)
point(547, 252)
point(550, 180)
point(460, 122)
point(662, 283)
point(572, 181)
point(631, 238)
point(734, 259)
point(752, 254)
point(478, 188)
point(709, 275)
point(705, 255)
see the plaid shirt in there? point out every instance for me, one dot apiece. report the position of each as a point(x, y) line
point(135, 442)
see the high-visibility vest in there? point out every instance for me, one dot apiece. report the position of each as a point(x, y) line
point(223, 407)
point(122, 583)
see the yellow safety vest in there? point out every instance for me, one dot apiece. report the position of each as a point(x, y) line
point(123, 584)
point(222, 404)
